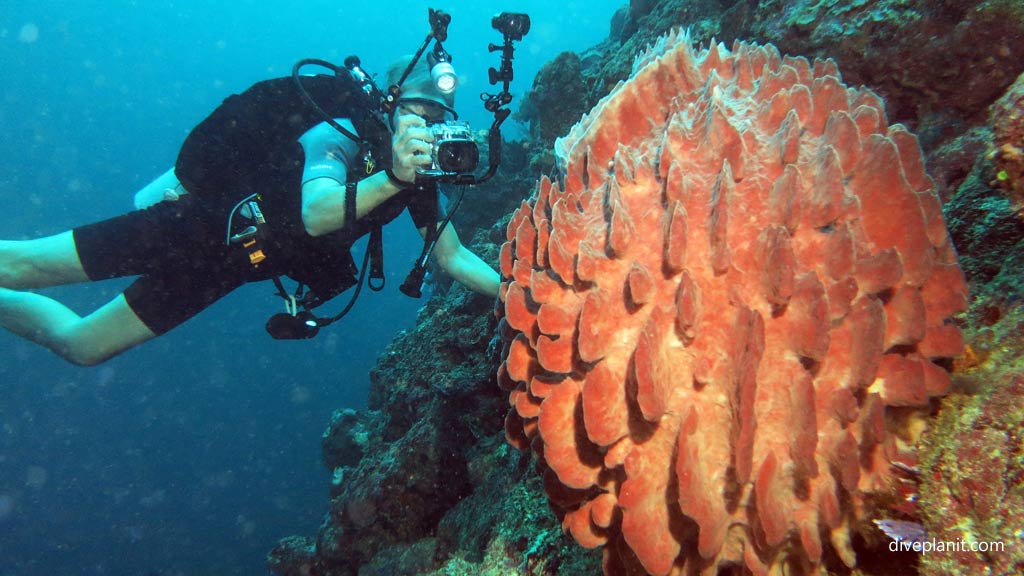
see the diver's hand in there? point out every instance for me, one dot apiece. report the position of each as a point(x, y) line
point(410, 147)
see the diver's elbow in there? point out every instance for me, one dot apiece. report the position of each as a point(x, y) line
point(314, 222)
point(445, 258)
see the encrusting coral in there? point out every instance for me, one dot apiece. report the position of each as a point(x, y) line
point(726, 323)
point(1008, 135)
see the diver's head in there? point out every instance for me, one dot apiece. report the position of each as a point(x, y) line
point(420, 87)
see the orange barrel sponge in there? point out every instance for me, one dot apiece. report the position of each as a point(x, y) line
point(728, 315)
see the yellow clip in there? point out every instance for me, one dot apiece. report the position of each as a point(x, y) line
point(369, 165)
point(255, 255)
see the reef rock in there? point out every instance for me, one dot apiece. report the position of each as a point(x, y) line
point(726, 321)
point(1008, 135)
point(975, 495)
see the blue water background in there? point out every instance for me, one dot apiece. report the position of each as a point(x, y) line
point(194, 453)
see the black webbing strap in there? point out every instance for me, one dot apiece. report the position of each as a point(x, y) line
point(401, 184)
point(350, 203)
point(280, 287)
point(375, 247)
point(291, 302)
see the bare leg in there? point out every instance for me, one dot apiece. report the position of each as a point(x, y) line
point(48, 262)
point(86, 341)
point(38, 263)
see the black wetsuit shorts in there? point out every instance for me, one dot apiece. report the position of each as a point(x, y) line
point(177, 248)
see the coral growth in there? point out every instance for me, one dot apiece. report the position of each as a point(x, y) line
point(976, 493)
point(989, 235)
point(939, 65)
point(423, 481)
point(1008, 136)
point(558, 96)
point(725, 323)
point(972, 491)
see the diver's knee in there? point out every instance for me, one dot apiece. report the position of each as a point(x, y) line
point(79, 350)
point(41, 262)
point(89, 361)
point(83, 357)
point(15, 264)
point(8, 269)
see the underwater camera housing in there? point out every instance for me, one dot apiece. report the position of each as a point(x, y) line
point(453, 151)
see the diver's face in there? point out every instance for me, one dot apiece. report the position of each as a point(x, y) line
point(431, 113)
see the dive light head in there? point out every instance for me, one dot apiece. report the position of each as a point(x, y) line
point(442, 74)
point(441, 71)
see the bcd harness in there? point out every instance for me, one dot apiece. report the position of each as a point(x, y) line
point(298, 320)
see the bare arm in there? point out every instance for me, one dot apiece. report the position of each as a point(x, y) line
point(323, 199)
point(463, 265)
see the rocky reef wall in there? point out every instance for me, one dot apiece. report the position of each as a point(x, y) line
point(424, 482)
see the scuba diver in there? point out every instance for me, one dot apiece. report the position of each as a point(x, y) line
point(279, 180)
